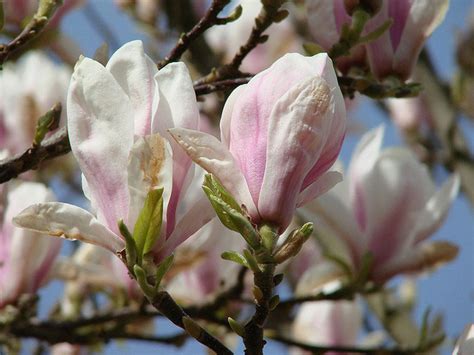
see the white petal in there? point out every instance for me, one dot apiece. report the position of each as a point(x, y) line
point(208, 152)
point(437, 208)
point(324, 183)
point(135, 72)
point(150, 168)
point(100, 130)
point(67, 221)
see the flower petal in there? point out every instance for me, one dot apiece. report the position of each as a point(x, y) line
point(208, 152)
point(298, 130)
point(437, 208)
point(101, 135)
point(424, 17)
point(417, 259)
point(67, 221)
point(177, 108)
point(319, 187)
point(149, 168)
point(135, 72)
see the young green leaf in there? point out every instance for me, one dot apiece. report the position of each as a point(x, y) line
point(148, 226)
point(235, 257)
point(163, 268)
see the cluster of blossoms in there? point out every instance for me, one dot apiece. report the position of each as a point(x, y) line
point(144, 153)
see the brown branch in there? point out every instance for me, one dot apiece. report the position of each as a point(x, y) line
point(207, 21)
point(37, 24)
point(163, 302)
point(267, 16)
point(54, 335)
point(31, 159)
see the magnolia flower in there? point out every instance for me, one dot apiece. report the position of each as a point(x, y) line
point(396, 51)
point(327, 323)
point(325, 21)
point(280, 134)
point(410, 113)
point(114, 116)
point(28, 89)
point(388, 206)
point(227, 39)
point(25, 257)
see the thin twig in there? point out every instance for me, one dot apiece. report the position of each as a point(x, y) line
point(32, 30)
point(207, 21)
point(263, 21)
point(170, 309)
point(53, 147)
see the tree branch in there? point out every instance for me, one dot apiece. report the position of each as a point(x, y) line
point(31, 159)
point(207, 21)
point(37, 24)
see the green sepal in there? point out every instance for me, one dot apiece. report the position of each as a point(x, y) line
point(148, 225)
point(312, 48)
point(277, 279)
point(235, 257)
point(212, 186)
point(251, 261)
point(292, 246)
point(162, 269)
point(234, 15)
point(236, 326)
point(273, 303)
point(229, 212)
point(130, 246)
point(48, 122)
point(141, 277)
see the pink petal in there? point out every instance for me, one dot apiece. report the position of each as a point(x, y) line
point(436, 209)
point(208, 152)
point(100, 130)
point(177, 108)
point(297, 128)
point(134, 71)
point(424, 17)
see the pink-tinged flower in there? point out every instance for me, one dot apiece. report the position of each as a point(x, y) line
point(227, 39)
point(327, 323)
point(280, 134)
point(26, 93)
point(325, 20)
point(118, 118)
point(396, 51)
point(25, 257)
point(465, 343)
point(410, 113)
point(388, 205)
